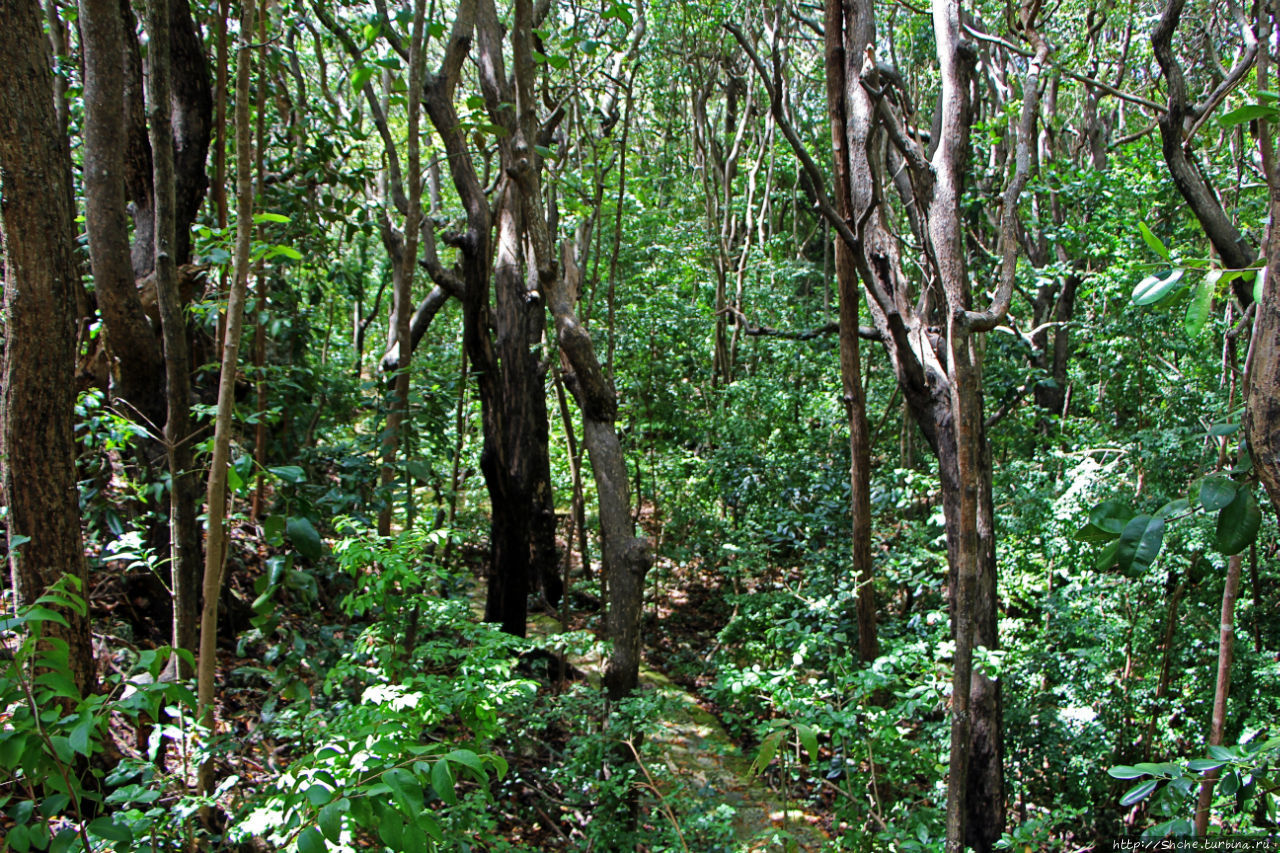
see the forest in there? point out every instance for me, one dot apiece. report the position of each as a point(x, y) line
point(606, 425)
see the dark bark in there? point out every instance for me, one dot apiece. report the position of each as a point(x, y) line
point(625, 558)
point(190, 118)
point(855, 402)
point(131, 339)
point(184, 549)
point(38, 394)
point(1231, 245)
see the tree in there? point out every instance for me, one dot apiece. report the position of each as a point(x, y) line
point(39, 277)
point(933, 343)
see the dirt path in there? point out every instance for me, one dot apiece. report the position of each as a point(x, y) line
point(699, 755)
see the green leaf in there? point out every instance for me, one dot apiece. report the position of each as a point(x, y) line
point(361, 76)
point(1138, 545)
point(1257, 284)
point(19, 839)
point(768, 748)
point(1139, 792)
point(1222, 752)
point(291, 474)
point(270, 217)
point(1153, 288)
point(319, 794)
point(1216, 492)
point(330, 819)
point(1173, 508)
point(105, 827)
point(1238, 523)
point(1201, 301)
point(1166, 768)
point(310, 841)
point(808, 739)
point(287, 251)
point(36, 613)
point(1124, 771)
point(304, 537)
point(60, 684)
point(273, 529)
point(234, 482)
point(1200, 765)
point(468, 759)
point(442, 782)
point(1248, 112)
point(1156, 244)
point(419, 471)
point(1094, 535)
point(63, 840)
point(79, 737)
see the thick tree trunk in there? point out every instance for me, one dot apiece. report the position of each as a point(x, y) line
point(130, 338)
point(38, 396)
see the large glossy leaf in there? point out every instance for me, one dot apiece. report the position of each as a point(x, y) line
point(1139, 792)
point(1153, 288)
point(1150, 535)
point(1248, 112)
point(1216, 492)
point(1106, 521)
point(1238, 523)
point(304, 537)
point(1201, 301)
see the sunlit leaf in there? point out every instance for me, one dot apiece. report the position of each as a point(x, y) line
point(1139, 792)
point(1153, 288)
point(1156, 244)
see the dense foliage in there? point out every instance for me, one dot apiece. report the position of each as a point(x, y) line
point(363, 702)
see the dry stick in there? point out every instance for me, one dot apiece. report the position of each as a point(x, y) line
point(1226, 645)
point(215, 549)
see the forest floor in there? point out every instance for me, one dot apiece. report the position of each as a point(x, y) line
point(690, 754)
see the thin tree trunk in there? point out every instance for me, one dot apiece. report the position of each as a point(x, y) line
point(216, 499)
point(260, 302)
point(184, 536)
point(1226, 646)
point(38, 394)
point(855, 402)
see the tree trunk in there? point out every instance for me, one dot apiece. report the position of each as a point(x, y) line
point(38, 396)
point(855, 402)
point(184, 538)
point(216, 506)
point(130, 338)
point(1222, 686)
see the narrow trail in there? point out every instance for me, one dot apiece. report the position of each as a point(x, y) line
point(701, 759)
